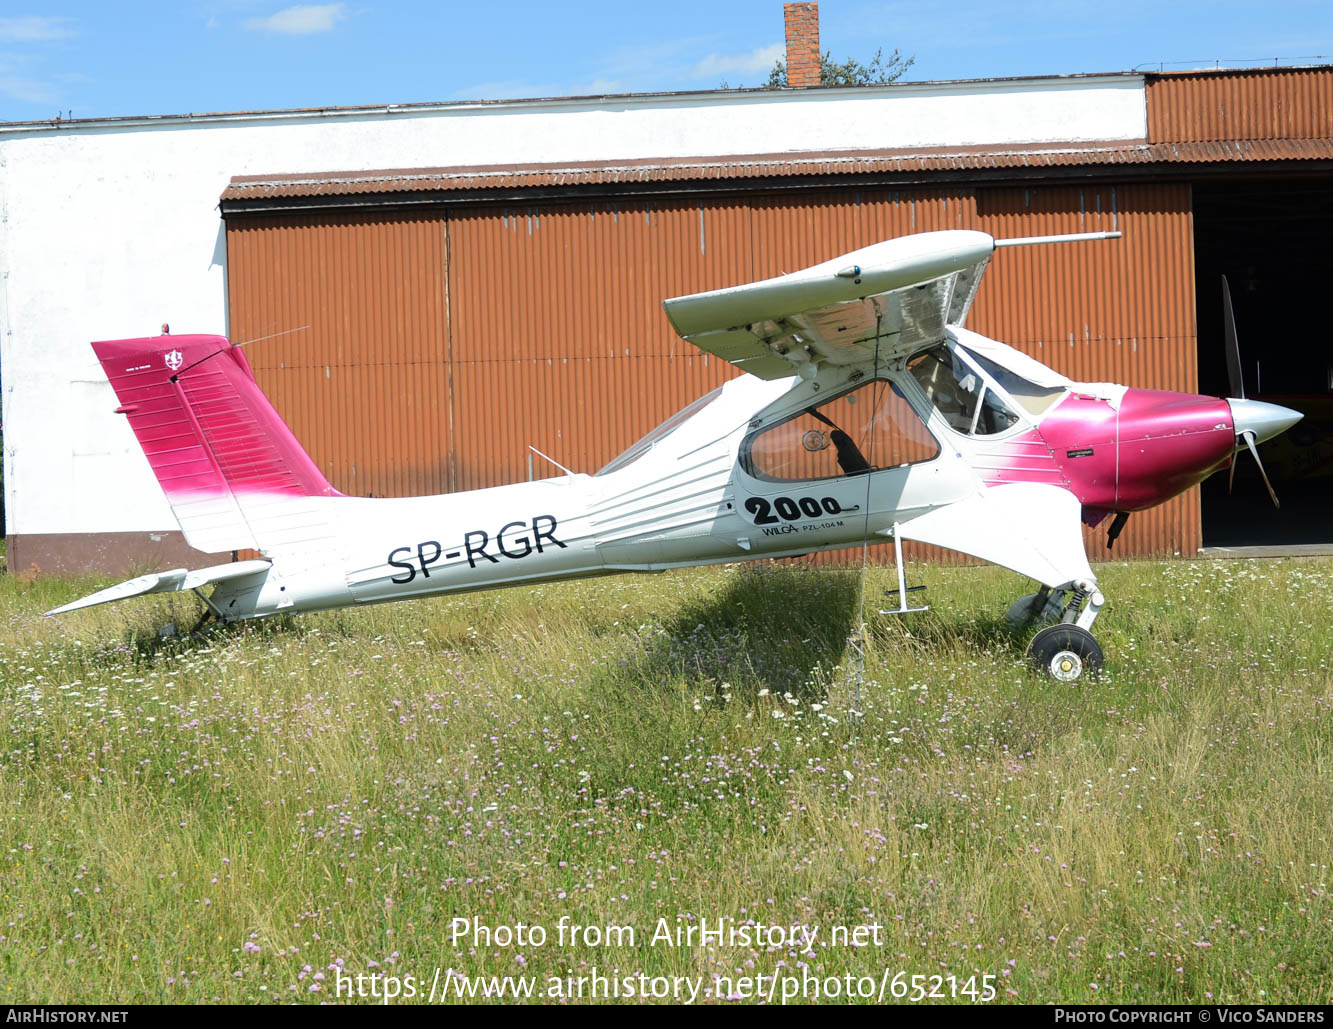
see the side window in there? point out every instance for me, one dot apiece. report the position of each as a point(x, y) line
point(958, 392)
point(870, 428)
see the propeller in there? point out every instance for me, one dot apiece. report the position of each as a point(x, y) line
point(1253, 420)
point(1249, 437)
point(1235, 377)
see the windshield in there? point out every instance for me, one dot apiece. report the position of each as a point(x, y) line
point(959, 393)
point(660, 433)
point(1028, 395)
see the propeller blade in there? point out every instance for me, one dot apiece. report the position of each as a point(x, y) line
point(1235, 376)
point(1248, 437)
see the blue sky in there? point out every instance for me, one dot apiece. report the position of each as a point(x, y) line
point(101, 60)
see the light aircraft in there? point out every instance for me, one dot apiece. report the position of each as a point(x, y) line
point(867, 412)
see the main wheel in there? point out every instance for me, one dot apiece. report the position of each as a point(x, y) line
point(1066, 653)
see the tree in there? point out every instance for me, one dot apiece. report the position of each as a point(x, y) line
point(850, 72)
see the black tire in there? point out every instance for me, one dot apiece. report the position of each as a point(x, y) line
point(1066, 653)
point(1021, 613)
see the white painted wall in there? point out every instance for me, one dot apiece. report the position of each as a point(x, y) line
point(109, 228)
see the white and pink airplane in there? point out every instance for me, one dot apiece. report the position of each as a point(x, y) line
point(867, 413)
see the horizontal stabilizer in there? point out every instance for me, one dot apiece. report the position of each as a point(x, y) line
point(167, 582)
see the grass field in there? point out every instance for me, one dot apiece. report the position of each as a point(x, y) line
point(237, 816)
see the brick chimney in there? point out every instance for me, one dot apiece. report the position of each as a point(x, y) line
point(802, 22)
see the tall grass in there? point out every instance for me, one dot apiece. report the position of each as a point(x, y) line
point(233, 816)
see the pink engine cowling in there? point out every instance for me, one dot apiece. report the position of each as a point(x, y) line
point(1156, 446)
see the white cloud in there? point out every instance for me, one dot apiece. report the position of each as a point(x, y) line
point(33, 28)
point(502, 89)
point(20, 79)
point(664, 64)
point(32, 91)
point(674, 64)
point(757, 62)
point(301, 20)
point(522, 89)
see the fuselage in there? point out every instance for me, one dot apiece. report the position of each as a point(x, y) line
point(770, 469)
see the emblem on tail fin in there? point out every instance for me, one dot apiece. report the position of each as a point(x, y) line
point(174, 359)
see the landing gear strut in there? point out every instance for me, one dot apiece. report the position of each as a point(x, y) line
point(1038, 608)
point(1065, 651)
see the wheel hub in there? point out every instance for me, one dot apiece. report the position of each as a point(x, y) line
point(1066, 666)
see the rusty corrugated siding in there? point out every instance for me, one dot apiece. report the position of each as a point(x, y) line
point(560, 341)
point(365, 386)
point(793, 231)
point(544, 324)
point(1286, 104)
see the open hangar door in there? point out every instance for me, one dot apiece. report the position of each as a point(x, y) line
point(1269, 237)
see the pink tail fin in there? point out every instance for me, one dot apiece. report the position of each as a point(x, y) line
point(218, 448)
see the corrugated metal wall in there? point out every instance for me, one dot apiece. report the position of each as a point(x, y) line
point(441, 347)
point(363, 382)
point(559, 337)
point(1286, 103)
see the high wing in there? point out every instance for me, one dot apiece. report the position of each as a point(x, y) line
point(895, 296)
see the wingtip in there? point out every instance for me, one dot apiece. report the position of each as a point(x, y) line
point(65, 608)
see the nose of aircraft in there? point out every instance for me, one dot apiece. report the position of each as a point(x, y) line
point(1264, 420)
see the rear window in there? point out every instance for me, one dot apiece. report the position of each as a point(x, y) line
point(660, 433)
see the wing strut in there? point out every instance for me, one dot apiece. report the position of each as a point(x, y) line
point(1066, 237)
point(903, 589)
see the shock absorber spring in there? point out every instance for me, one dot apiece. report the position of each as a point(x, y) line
point(1075, 605)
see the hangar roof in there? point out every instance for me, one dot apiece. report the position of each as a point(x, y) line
point(243, 188)
point(1195, 120)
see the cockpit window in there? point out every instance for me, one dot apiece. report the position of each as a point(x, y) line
point(1028, 395)
point(660, 433)
point(869, 428)
point(959, 393)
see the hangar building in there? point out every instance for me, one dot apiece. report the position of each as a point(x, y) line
point(433, 288)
